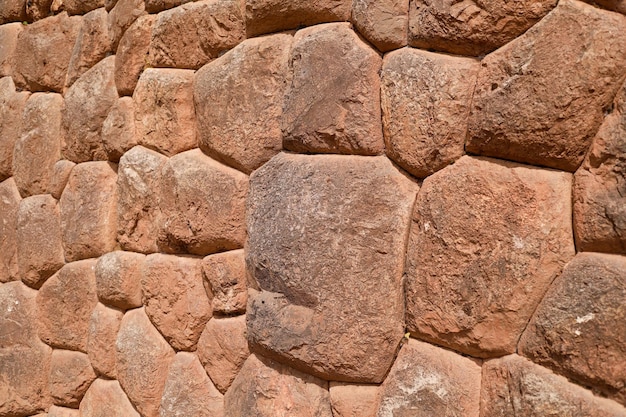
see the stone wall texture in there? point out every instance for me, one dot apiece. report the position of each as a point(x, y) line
point(323, 208)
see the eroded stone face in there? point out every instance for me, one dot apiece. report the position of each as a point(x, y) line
point(60, 175)
point(225, 281)
point(121, 17)
point(118, 279)
point(105, 398)
point(131, 57)
point(8, 42)
point(352, 400)
point(9, 205)
point(81, 6)
point(56, 411)
point(382, 22)
point(12, 105)
point(118, 129)
point(103, 328)
point(71, 375)
point(12, 11)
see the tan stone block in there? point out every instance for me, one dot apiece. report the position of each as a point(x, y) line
point(118, 279)
point(103, 327)
point(121, 17)
point(382, 22)
point(8, 44)
point(9, 205)
point(12, 105)
point(132, 54)
point(81, 6)
point(55, 411)
point(109, 4)
point(71, 375)
point(105, 398)
point(225, 281)
point(615, 5)
point(352, 400)
point(12, 11)
point(118, 129)
point(60, 175)
point(156, 6)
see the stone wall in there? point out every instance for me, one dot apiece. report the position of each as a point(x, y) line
point(347, 208)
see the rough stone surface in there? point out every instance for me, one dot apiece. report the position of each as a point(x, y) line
point(164, 112)
point(265, 16)
point(487, 239)
point(132, 54)
point(190, 35)
point(540, 99)
point(38, 9)
point(12, 105)
point(106, 399)
point(121, 17)
point(223, 348)
point(203, 205)
point(60, 175)
point(426, 100)
point(143, 360)
point(333, 102)
point(175, 299)
point(39, 243)
point(8, 42)
point(118, 129)
point(615, 5)
point(189, 391)
point(88, 211)
point(326, 241)
point(87, 104)
point(138, 210)
point(513, 386)
point(579, 329)
point(56, 411)
point(429, 381)
point(225, 281)
point(64, 306)
point(265, 388)
point(383, 23)
point(12, 11)
point(103, 328)
point(156, 6)
point(71, 375)
point(9, 204)
point(351, 400)
point(239, 102)
point(118, 279)
point(81, 6)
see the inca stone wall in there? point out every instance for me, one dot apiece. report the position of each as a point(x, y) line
point(348, 208)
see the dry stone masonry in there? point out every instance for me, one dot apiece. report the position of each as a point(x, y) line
point(325, 208)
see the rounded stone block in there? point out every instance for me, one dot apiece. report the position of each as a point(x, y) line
point(81, 6)
point(60, 175)
point(71, 375)
point(118, 279)
point(352, 400)
point(132, 54)
point(118, 129)
point(226, 282)
point(56, 411)
point(12, 105)
point(9, 205)
point(8, 42)
point(105, 398)
point(382, 22)
point(12, 11)
point(103, 327)
point(121, 17)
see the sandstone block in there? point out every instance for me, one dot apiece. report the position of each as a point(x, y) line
point(487, 239)
point(9, 205)
point(105, 398)
point(164, 112)
point(223, 348)
point(12, 105)
point(175, 299)
point(383, 23)
point(326, 241)
point(60, 175)
point(225, 281)
point(540, 99)
point(103, 327)
point(138, 180)
point(12, 11)
point(55, 411)
point(88, 211)
point(333, 102)
point(81, 6)
point(132, 54)
point(191, 35)
point(239, 102)
point(118, 279)
point(71, 375)
point(426, 100)
point(265, 388)
point(118, 129)
point(203, 205)
point(143, 360)
point(121, 17)
point(352, 400)
point(8, 43)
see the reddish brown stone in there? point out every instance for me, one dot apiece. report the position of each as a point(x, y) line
point(239, 102)
point(615, 5)
point(12, 11)
point(265, 16)
point(138, 207)
point(579, 329)
point(118, 129)
point(12, 105)
point(132, 54)
point(164, 112)
point(189, 391)
point(71, 375)
point(103, 328)
point(426, 100)
point(225, 281)
point(203, 205)
point(106, 399)
point(156, 6)
point(88, 211)
point(540, 99)
point(55, 411)
point(223, 348)
point(109, 4)
point(118, 279)
point(121, 17)
point(64, 306)
point(326, 242)
point(81, 6)
point(333, 103)
point(383, 23)
point(60, 175)
point(39, 243)
point(174, 298)
point(143, 360)
point(8, 42)
point(515, 387)
point(38, 9)
point(351, 400)
point(190, 35)
point(488, 237)
point(9, 204)
point(17, 316)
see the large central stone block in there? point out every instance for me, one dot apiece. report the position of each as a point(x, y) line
point(326, 244)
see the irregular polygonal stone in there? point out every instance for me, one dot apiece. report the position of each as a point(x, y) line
point(12, 105)
point(39, 145)
point(39, 242)
point(118, 279)
point(81, 6)
point(225, 281)
point(44, 50)
point(333, 102)
point(8, 42)
point(121, 17)
point(429, 381)
point(579, 329)
point(383, 23)
point(55, 411)
point(488, 237)
point(87, 104)
point(513, 386)
point(265, 16)
point(143, 360)
point(71, 375)
point(132, 54)
point(203, 205)
point(190, 35)
point(326, 241)
point(164, 112)
point(118, 129)
point(106, 399)
point(189, 391)
point(60, 175)
point(138, 180)
point(175, 299)
point(540, 99)
point(9, 204)
point(64, 306)
point(223, 348)
point(103, 328)
point(239, 102)
point(88, 211)
point(351, 400)
point(18, 317)
point(426, 100)
point(12, 11)
point(38, 9)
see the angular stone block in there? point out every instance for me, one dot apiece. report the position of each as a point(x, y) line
point(202, 204)
point(9, 205)
point(351, 400)
point(326, 241)
point(118, 279)
point(239, 102)
point(121, 17)
point(12, 11)
point(55, 411)
point(81, 6)
point(540, 99)
point(105, 398)
point(118, 129)
point(132, 54)
point(426, 100)
point(103, 327)
point(71, 375)
point(60, 175)
point(8, 42)
point(382, 22)
point(12, 105)
point(487, 239)
point(225, 281)
point(333, 102)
